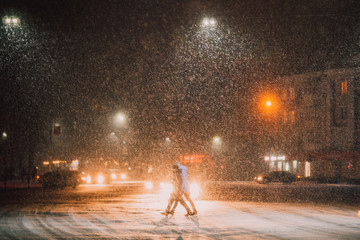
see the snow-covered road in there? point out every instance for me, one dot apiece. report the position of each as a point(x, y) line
point(138, 217)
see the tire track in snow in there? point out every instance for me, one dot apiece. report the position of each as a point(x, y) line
point(138, 217)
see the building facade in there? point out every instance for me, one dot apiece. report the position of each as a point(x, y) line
point(318, 125)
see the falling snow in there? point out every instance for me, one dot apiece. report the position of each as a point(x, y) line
point(137, 85)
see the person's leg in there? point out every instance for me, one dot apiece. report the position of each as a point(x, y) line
point(187, 196)
point(177, 195)
point(170, 203)
point(172, 211)
point(183, 203)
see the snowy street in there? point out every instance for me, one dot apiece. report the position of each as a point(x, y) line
point(111, 111)
point(111, 213)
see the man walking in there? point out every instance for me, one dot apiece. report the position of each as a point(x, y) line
point(177, 194)
point(185, 186)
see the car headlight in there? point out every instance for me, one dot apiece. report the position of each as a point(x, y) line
point(88, 179)
point(259, 178)
point(195, 190)
point(100, 179)
point(148, 185)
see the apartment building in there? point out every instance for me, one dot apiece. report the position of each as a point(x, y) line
point(319, 124)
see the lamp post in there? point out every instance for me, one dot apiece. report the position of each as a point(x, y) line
point(217, 149)
point(270, 107)
point(119, 136)
point(3, 158)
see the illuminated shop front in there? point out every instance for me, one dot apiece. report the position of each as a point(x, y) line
point(337, 165)
point(282, 163)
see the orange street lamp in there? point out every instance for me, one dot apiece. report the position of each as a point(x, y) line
point(269, 104)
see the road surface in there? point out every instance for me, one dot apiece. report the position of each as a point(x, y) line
point(99, 212)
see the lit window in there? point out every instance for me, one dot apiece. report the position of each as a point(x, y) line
point(292, 93)
point(307, 169)
point(287, 166)
point(294, 165)
point(344, 88)
point(272, 165)
point(292, 116)
point(285, 117)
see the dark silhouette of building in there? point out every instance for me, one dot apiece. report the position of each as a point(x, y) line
point(318, 125)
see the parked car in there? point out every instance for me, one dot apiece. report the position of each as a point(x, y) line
point(60, 179)
point(276, 176)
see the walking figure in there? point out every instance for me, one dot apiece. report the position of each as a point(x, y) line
point(177, 195)
point(185, 186)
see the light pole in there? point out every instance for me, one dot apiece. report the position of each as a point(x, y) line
point(119, 136)
point(3, 155)
point(216, 149)
point(270, 107)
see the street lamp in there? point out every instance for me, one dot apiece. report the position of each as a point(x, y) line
point(4, 136)
point(217, 154)
point(270, 107)
point(11, 21)
point(217, 144)
point(120, 118)
point(209, 22)
point(216, 141)
point(269, 104)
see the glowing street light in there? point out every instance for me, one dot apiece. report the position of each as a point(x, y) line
point(4, 136)
point(119, 119)
point(269, 104)
point(217, 140)
point(11, 21)
point(209, 22)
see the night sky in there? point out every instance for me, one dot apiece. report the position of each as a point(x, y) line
point(153, 59)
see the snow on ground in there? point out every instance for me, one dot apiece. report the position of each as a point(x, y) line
point(138, 217)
